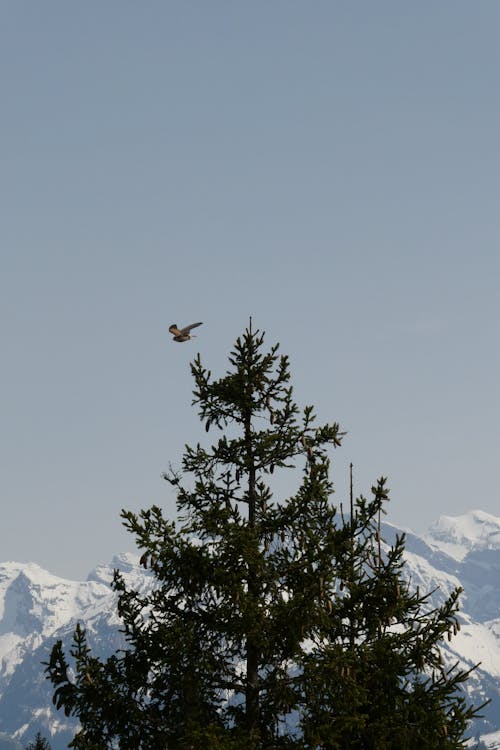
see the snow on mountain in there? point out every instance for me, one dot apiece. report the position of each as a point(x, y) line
point(34, 604)
point(457, 536)
point(37, 608)
point(492, 740)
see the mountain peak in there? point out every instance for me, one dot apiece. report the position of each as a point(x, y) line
point(459, 535)
point(125, 562)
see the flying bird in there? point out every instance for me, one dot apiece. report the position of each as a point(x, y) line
point(182, 334)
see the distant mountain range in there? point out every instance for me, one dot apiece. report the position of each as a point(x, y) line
point(37, 608)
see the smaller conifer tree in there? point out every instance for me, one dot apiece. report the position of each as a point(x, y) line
point(39, 743)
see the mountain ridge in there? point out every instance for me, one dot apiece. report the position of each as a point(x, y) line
point(37, 608)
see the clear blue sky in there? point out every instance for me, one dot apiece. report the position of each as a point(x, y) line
point(330, 168)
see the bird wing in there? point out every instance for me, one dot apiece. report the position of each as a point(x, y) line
point(188, 328)
point(174, 330)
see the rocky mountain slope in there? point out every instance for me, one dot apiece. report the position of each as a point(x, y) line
point(37, 608)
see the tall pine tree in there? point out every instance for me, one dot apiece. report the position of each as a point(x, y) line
point(270, 623)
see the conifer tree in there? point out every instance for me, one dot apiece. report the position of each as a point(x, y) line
point(270, 623)
point(39, 743)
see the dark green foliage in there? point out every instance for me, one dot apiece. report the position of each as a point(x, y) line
point(39, 743)
point(271, 623)
point(375, 677)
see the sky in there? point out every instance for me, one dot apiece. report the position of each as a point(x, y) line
point(331, 169)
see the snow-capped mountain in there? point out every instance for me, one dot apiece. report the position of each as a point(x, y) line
point(37, 608)
point(476, 531)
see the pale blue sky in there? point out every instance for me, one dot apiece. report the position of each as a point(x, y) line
point(330, 168)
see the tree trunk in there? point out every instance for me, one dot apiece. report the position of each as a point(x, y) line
point(252, 652)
